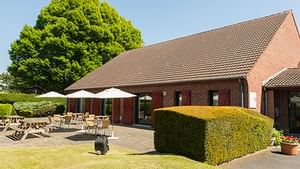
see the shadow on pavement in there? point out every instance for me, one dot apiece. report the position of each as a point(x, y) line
point(81, 137)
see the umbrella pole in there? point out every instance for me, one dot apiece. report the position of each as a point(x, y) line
point(112, 137)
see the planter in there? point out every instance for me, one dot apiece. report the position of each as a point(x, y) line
point(289, 149)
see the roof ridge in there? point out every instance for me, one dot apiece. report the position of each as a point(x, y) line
point(214, 29)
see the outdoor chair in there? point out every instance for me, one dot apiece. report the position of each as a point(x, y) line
point(79, 118)
point(51, 124)
point(103, 124)
point(90, 124)
point(69, 113)
point(57, 120)
point(91, 116)
point(67, 120)
point(86, 115)
point(2, 122)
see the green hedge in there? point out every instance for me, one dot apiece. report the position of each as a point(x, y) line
point(6, 109)
point(211, 134)
point(38, 109)
point(12, 98)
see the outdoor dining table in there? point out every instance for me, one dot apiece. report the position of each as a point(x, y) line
point(12, 120)
point(37, 127)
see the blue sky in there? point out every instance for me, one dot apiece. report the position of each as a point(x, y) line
point(158, 20)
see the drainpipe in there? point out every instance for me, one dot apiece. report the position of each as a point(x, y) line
point(266, 102)
point(242, 92)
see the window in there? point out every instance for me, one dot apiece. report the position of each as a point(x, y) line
point(107, 108)
point(213, 98)
point(80, 105)
point(144, 108)
point(178, 98)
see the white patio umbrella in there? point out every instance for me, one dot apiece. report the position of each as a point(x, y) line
point(81, 94)
point(113, 93)
point(51, 94)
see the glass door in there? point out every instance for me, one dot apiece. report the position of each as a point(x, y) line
point(144, 109)
point(294, 112)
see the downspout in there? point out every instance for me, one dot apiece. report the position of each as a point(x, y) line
point(242, 104)
point(266, 102)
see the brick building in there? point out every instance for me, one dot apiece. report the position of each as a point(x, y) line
point(231, 65)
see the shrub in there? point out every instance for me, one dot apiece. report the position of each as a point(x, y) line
point(35, 109)
point(6, 109)
point(277, 134)
point(211, 134)
point(12, 98)
point(60, 109)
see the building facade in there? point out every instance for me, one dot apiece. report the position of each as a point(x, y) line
point(222, 67)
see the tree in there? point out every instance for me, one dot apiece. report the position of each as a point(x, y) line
point(6, 81)
point(70, 39)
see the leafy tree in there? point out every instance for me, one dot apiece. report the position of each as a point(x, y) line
point(70, 39)
point(6, 81)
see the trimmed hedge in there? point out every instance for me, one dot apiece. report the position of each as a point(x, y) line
point(6, 109)
point(12, 98)
point(38, 109)
point(211, 134)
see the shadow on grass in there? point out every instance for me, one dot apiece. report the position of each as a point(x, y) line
point(149, 153)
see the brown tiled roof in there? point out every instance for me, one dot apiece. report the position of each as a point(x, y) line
point(287, 78)
point(224, 53)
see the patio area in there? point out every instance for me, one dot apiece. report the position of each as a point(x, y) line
point(138, 139)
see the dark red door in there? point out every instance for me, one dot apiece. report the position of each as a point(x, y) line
point(186, 98)
point(157, 102)
point(72, 105)
point(224, 98)
point(116, 110)
point(96, 106)
point(87, 105)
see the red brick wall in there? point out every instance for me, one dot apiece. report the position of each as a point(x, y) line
point(283, 51)
point(128, 111)
point(198, 90)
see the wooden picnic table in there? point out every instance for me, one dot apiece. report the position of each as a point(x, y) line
point(12, 121)
point(35, 127)
point(14, 118)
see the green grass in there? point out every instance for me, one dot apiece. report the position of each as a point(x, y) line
point(81, 157)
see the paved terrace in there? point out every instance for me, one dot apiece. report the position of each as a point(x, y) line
point(130, 137)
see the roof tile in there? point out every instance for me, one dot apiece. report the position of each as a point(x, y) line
point(287, 78)
point(228, 52)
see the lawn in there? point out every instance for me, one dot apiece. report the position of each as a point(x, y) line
point(82, 157)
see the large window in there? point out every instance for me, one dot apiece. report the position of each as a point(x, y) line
point(80, 105)
point(294, 112)
point(107, 107)
point(178, 98)
point(213, 98)
point(144, 109)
